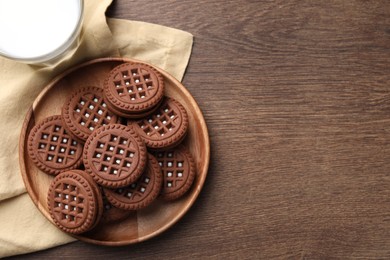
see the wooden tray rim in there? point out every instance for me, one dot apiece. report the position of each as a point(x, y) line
point(202, 172)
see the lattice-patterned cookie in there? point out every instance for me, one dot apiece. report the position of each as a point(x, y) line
point(140, 193)
point(114, 155)
point(133, 116)
point(75, 202)
point(85, 110)
point(133, 88)
point(165, 128)
point(178, 169)
point(52, 149)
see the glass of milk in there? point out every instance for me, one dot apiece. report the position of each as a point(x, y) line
point(39, 31)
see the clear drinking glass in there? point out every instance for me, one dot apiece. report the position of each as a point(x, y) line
point(39, 31)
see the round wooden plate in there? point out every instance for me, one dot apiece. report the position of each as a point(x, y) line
point(142, 224)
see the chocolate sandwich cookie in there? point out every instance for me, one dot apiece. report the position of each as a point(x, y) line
point(114, 155)
point(112, 214)
point(75, 202)
point(85, 110)
point(165, 128)
point(52, 149)
point(140, 193)
point(132, 116)
point(133, 89)
point(178, 170)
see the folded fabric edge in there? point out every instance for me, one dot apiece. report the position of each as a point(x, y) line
point(99, 37)
point(42, 234)
point(177, 43)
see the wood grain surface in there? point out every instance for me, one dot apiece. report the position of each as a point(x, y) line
point(296, 95)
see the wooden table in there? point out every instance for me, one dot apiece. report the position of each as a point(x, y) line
point(296, 95)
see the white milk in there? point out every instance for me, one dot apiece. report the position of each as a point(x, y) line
point(36, 31)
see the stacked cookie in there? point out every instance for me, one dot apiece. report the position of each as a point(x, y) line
point(113, 150)
point(133, 90)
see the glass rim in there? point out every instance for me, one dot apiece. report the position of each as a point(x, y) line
point(57, 51)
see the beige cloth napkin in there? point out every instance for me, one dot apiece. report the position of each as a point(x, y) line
point(22, 227)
